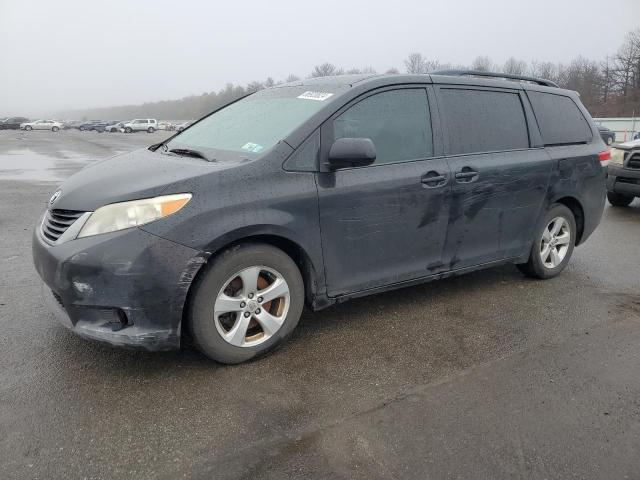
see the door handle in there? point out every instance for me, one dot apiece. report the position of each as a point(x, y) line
point(466, 175)
point(433, 179)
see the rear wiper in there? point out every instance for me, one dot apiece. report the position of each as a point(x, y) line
point(188, 152)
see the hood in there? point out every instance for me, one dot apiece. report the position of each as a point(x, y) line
point(630, 145)
point(130, 176)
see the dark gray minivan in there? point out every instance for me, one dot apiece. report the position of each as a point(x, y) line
point(315, 192)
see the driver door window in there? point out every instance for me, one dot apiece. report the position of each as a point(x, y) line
point(397, 122)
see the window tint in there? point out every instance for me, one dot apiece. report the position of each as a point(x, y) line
point(559, 119)
point(396, 121)
point(305, 158)
point(483, 121)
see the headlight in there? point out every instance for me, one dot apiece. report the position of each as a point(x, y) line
point(617, 156)
point(119, 216)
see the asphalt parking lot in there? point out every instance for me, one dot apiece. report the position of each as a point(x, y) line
point(488, 375)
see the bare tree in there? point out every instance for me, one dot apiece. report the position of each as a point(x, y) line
point(392, 71)
point(326, 69)
point(514, 67)
point(292, 78)
point(415, 63)
point(546, 70)
point(483, 64)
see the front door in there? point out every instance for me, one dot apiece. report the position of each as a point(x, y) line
point(385, 223)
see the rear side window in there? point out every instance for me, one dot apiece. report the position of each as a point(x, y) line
point(397, 121)
point(559, 118)
point(478, 121)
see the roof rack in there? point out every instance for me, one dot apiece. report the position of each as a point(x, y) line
point(476, 73)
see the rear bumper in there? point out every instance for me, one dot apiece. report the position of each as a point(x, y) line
point(125, 288)
point(624, 181)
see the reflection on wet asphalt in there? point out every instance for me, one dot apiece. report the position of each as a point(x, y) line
point(31, 166)
point(38, 156)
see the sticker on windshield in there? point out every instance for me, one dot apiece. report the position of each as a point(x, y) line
point(319, 96)
point(252, 147)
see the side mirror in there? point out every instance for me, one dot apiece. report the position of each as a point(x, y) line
point(351, 152)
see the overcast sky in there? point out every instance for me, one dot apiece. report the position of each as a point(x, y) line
point(76, 53)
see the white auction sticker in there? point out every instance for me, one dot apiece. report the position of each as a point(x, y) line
point(319, 96)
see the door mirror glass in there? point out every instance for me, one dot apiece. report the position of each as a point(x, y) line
point(351, 152)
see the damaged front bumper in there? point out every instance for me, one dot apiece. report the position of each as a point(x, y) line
point(126, 288)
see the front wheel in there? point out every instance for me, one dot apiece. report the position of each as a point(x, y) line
point(150, 130)
point(54, 129)
point(247, 303)
point(128, 130)
point(618, 200)
point(28, 128)
point(553, 244)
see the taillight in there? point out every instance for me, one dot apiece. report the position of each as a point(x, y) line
point(604, 157)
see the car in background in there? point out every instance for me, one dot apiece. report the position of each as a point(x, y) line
point(623, 174)
point(608, 136)
point(89, 125)
point(181, 126)
point(115, 127)
point(168, 126)
point(12, 123)
point(69, 124)
point(52, 125)
point(104, 126)
point(141, 125)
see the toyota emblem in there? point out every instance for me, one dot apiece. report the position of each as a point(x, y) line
point(54, 197)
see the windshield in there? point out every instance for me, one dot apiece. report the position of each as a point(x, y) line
point(255, 123)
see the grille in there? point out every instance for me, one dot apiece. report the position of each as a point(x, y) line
point(634, 162)
point(56, 222)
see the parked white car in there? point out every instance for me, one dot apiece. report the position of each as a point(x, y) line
point(181, 126)
point(42, 125)
point(116, 127)
point(141, 125)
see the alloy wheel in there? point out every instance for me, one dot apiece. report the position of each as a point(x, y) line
point(251, 306)
point(555, 242)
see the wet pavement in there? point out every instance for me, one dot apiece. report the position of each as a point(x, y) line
point(488, 375)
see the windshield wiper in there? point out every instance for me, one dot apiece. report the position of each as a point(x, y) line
point(188, 152)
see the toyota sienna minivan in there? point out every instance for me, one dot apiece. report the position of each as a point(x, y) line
point(315, 192)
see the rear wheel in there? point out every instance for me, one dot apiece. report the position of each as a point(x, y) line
point(128, 130)
point(150, 130)
point(247, 303)
point(54, 129)
point(28, 128)
point(553, 244)
point(618, 200)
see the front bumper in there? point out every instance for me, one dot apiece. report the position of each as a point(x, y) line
point(125, 288)
point(624, 181)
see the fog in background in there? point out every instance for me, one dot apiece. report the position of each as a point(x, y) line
point(75, 54)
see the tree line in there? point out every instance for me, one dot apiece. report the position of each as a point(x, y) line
point(609, 87)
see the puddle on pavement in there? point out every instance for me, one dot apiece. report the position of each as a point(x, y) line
point(27, 165)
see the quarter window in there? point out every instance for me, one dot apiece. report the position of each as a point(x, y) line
point(477, 121)
point(559, 119)
point(397, 122)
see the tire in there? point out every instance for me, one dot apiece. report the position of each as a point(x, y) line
point(150, 130)
point(82, 129)
point(113, 130)
point(128, 130)
point(206, 325)
point(618, 200)
point(28, 128)
point(54, 129)
point(609, 140)
point(536, 267)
